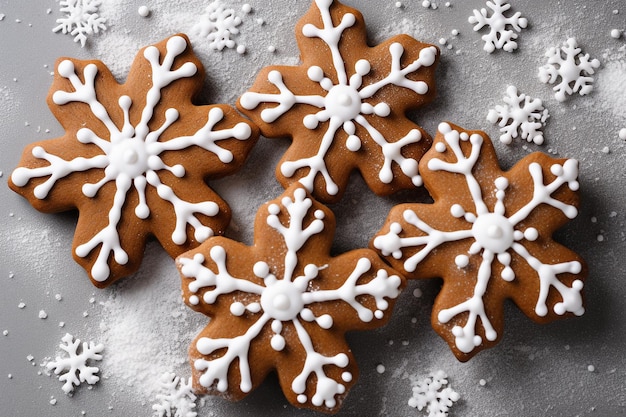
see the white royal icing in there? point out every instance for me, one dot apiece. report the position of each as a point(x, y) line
point(494, 236)
point(284, 299)
point(343, 105)
point(132, 154)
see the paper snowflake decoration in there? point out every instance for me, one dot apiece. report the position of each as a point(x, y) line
point(345, 105)
point(284, 304)
point(217, 24)
point(433, 394)
point(521, 115)
point(502, 30)
point(574, 69)
point(134, 158)
point(176, 399)
point(490, 239)
point(73, 368)
point(81, 19)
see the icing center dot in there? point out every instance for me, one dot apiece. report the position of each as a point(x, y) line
point(129, 157)
point(493, 232)
point(343, 102)
point(282, 301)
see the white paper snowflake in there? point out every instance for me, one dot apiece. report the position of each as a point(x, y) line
point(433, 394)
point(284, 300)
point(218, 24)
point(521, 115)
point(497, 234)
point(74, 368)
point(574, 69)
point(500, 36)
point(176, 398)
point(81, 19)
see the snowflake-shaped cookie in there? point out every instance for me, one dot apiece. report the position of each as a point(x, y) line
point(502, 30)
point(489, 236)
point(284, 304)
point(573, 68)
point(345, 105)
point(81, 19)
point(134, 158)
point(521, 115)
point(434, 395)
point(73, 368)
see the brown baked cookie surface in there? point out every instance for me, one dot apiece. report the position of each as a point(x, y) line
point(134, 158)
point(489, 236)
point(345, 106)
point(284, 305)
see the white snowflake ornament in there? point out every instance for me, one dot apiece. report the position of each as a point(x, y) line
point(489, 240)
point(134, 158)
point(433, 394)
point(74, 369)
point(574, 69)
point(176, 398)
point(502, 29)
point(521, 115)
point(81, 19)
point(284, 305)
point(218, 24)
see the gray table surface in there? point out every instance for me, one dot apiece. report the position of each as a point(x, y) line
point(535, 371)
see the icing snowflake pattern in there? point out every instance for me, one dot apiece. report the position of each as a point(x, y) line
point(502, 30)
point(118, 146)
point(434, 395)
point(277, 305)
point(176, 399)
point(73, 368)
point(80, 20)
point(217, 24)
point(492, 237)
point(521, 115)
point(574, 69)
point(346, 107)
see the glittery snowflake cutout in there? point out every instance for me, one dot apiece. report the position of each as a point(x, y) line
point(176, 399)
point(574, 69)
point(521, 115)
point(502, 30)
point(134, 158)
point(73, 368)
point(284, 304)
point(81, 19)
point(490, 239)
point(217, 24)
point(345, 105)
point(433, 394)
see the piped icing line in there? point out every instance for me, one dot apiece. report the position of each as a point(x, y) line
point(345, 104)
point(493, 235)
point(132, 154)
point(271, 301)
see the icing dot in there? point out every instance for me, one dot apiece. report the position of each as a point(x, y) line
point(457, 211)
point(194, 300)
point(353, 143)
point(379, 314)
point(346, 376)
point(277, 342)
point(261, 269)
point(461, 261)
point(531, 234)
point(302, 398)
point(143, 11)
point(440, 147)
point(237, 309)
point(502, 183)
point(325, 321)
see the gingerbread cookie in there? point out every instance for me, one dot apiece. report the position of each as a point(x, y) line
point(489, 236)
point(134, 158)
point(284, 304)
point(345, 105)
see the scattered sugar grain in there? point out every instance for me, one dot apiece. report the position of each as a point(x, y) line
point(30, 358)
point(2, 16)
point(622, 134)
point(143, 11)
point(380, 368)
point(426, 4)
point(5, 332)
point(10, 376)
point(246, 8)
point(616, 33)
point(399, 5)
point(482, 382)
point(591, 368)
point(417, 293)
point(43, 315)
point(606, 150)
point(260, 21)
point(21, 305)
point(61, 324)
point(58, 297)
point(271, 48)
point(600, 238)
point(241, 49)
